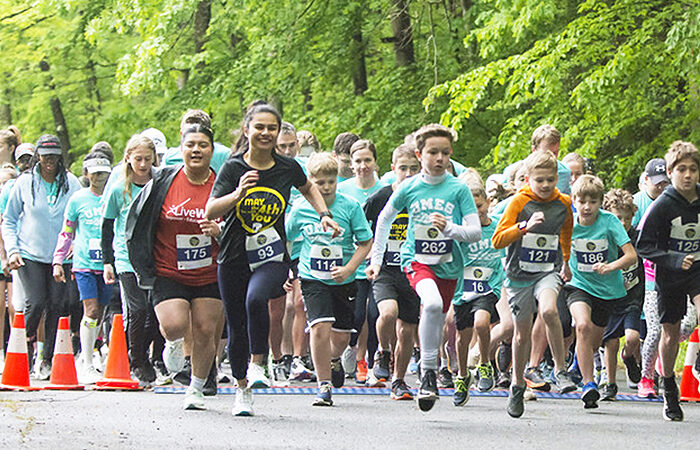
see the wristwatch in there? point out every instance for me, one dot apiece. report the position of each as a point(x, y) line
point(522, 226)
point(325, 214)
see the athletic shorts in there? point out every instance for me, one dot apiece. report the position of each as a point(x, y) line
point(523, 300)
point(4, 277)
point(392, 284)
point(464, 312)
point(618, 323)
point(167, 288)
point(601, 309)
point(418, 271)
point(92, 285)
point(329, 303)
point(294, 267)
point(673, 296)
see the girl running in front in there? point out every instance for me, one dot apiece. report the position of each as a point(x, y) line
point(251, 193)
point(139, 157)
point(37, 204)
point(173, 250)
point(441, 209)
point(82, 230)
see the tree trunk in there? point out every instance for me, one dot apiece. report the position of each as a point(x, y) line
point(357, 53)
point(307, 99)
point(201, 23)
point(403, 39)
point(59, 119)
point(5, 107)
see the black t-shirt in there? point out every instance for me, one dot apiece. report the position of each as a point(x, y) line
point(397, 236)
point(634, 280)
point(263, 206)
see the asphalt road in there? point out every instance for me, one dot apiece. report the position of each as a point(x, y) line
point(91, 419)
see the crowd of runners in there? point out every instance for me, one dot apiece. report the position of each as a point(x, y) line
point(294, 264)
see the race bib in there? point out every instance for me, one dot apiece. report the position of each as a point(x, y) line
point(95, 250)
point(476, 282)
point(193, 251)
point(685, 238)
point(397, 237)
point(432, 247)
point(590, 252)
point(630, 276)
point(323, 258)
point(538, 252)
point(393, 252)
point(263, 247)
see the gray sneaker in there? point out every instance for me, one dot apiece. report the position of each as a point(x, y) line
point(486, 381)
point(516, 407)
point(562, 380)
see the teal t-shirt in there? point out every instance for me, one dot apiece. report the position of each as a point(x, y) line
point(593, 244)
point(500, 207)
point(643, 202)
point(350, 188)
point(424, 242)
point(221, 153)
point(564, 183)
point(51, 190)
point(116, 206)
point(483, 267)
point(85, 208)
point(5, 194)
point(319, 251)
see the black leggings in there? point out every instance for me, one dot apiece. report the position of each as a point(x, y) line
point(245, 296)
point(366, 308)
point(141, 322)
point(42, 294)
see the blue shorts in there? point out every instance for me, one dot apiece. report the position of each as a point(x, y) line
point(92, 285)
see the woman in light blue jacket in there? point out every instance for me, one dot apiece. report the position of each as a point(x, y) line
point(30, 229)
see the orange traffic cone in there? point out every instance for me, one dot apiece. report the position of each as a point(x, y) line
point(63, 374)
point(117, 374)
point(15, 376)
point(689, 384)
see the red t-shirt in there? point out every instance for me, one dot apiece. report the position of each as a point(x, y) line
point(182, 252)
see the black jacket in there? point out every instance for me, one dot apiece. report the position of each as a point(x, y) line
point(140, 232)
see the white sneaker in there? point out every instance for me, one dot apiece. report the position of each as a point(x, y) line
point(299, 371)
point(194, 399)
point(372, 380)
point(349, 362)
point(243, 405)
point(43, 371)
point(88, 375)
point(174, 355)
point(256, 377)
point(2, 364)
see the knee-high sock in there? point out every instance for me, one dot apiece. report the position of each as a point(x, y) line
point(88, 334)
point(431, 323)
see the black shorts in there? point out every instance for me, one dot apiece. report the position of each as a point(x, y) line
point(294, 267)
point(601, 309)
point(464, 313)
point(673, 296)
point(631, 319)
point(167, 288)
point(329, 303)
point(4, 277)
point(392, 284)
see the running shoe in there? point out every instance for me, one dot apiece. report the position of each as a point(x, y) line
point(415, 360)
point(163, 377)
point(324, 396)
point(349, 361)
point(608, 392)
point(299, 371)
point(210, 388)
point(634, 372)
point(672, 406)
point(428, 392)
point(534, 380)
point(590, 395)
point(174, 355)
point(381, 368)
point(361, 372)
point(287, 361)
point(563, 382)
point(184, 375)
point(145, 373)
point(645, 388)
point(529, 395)
point(88, 374)
point(516, 405)
point(445, 378)
point(461, 393)
point(280, 377)
point(486, 381)
point(256, 377)
point(42, 371)
point(337, 373)
point(2, 364)
point(400, 390)
point(243, 405)
point(194, 399)
point(696, 370)
point(75, 343)
point(504, 357)
point(504, 379)
point(372, 380)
